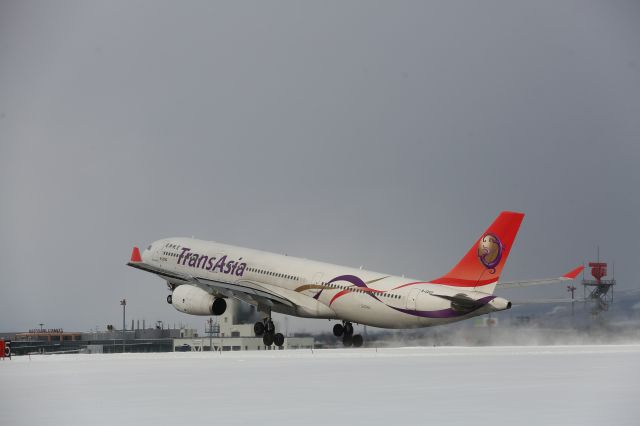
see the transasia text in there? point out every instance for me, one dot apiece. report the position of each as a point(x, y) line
point(195, 260)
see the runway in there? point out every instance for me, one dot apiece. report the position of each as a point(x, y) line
point(568, 385)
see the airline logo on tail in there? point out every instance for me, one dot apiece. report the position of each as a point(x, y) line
point(490, 251)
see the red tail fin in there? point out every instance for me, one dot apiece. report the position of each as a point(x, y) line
point(482, 265)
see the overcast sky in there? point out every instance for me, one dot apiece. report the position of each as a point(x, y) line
point(383, 134)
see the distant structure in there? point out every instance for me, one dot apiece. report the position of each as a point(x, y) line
point(599, 290)
point(56, 340)
point(233, 331)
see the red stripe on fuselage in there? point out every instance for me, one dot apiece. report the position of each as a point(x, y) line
point(351, 290)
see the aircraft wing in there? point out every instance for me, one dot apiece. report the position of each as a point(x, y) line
point(571, 275)
point(169, 276)
point(247, 291)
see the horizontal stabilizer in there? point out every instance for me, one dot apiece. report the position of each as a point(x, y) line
point(571, 275)
point(461, 301)
point(546, 301)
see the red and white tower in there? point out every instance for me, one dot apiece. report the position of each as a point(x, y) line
point(599, 290)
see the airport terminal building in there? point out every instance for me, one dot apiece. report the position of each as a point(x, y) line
point(232, 331)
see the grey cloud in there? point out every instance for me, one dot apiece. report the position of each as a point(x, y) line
point(361, 133)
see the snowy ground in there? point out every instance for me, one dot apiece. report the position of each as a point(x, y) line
point(556, 385)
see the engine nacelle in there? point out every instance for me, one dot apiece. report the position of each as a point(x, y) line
point(196, 301)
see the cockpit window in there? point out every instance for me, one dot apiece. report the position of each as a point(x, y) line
point(149, 248)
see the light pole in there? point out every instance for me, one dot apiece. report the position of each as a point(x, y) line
point(571, 289)
point(210, 331)
point(123, 302)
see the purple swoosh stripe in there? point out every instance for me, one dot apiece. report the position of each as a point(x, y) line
point(355, 281)
point(444, 313)
point(350, 278)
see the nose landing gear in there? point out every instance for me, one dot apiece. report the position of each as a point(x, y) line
point(348, 338)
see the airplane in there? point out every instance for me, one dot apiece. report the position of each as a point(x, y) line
point(201, 275)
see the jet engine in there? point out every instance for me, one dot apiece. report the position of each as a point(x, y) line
point(196, 301)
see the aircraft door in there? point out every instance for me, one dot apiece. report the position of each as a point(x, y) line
point(412, 299)
point(156, 250)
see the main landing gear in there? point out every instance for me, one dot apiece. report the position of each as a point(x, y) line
point(267, 330)
point(346, 331)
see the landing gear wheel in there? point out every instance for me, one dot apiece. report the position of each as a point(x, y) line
point(258, 328)
point(357, 341)
point(170, 299)
point(278, 339)
point(338, 330)
point(348, 329)
point(347, 341)
point(269, 327)
point(267, 339)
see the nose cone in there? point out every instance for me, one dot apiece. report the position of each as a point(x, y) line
point(500, 304)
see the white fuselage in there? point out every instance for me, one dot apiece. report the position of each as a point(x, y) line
point(320, 290)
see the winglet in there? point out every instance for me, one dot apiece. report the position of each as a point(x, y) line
point(135, 255)
point(571, 275)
